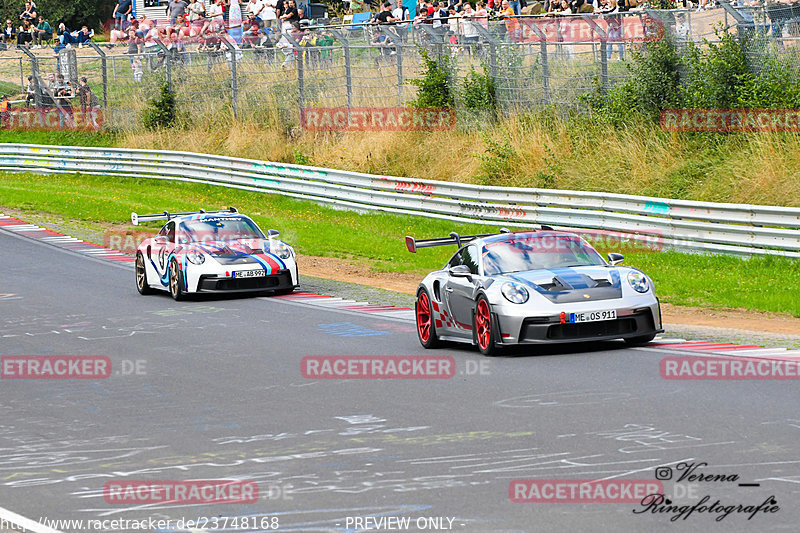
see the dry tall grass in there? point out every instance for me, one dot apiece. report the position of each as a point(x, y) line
point(536, 151)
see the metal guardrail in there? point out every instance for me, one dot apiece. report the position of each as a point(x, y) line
point(696, 226)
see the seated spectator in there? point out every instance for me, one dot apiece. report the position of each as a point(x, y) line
point(290, 15)
point(9, 33)
point(25, 33)
point(252, 36)
point(215, 18)
point(88, 102)
point(197, 18)
point(67, 38)
point(43, 33)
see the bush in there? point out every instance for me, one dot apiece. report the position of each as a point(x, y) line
point(480, 91)
point(434, 89)
point(162, 110)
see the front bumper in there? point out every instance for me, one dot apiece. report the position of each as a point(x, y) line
point(213, 283)
point(630, 323)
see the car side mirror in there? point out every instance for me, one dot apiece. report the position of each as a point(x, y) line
point(460, 271)
point(272, 233)
point(160, 239)
point(615, 259)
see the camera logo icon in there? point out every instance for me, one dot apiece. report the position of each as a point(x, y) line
point(663, 473)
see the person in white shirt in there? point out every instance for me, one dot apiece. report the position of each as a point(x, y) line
point(269, 14)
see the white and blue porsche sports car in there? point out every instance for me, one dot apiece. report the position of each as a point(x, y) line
point(532, 287)
point(213, 252)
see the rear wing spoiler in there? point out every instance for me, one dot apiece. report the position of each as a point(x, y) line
point(413, 244)
point(166, 215)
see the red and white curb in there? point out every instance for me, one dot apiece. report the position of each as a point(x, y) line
point(723, 348)
point(332, 302)
point(32, 231)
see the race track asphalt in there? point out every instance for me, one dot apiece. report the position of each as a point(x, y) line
point(213, 389)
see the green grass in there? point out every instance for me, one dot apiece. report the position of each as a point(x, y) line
point(764, 284)
point(58, 138)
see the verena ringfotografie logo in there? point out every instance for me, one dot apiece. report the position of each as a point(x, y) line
point(726, 368)
point(378, 367)
point(55, 367)
point(377, 119)
point(731, 120)
point(180, 492)
point(582, 490)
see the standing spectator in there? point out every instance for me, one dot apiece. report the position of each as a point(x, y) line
point(290, 15)
point(88, 103)
point(30, 92)
point(514, 5)
point(4, 116)
point(28, 14)
point(176, 9)
point(468, 26)
point(43, 33)
point(255, 10)
point(453, 24)
point(121, 12)
point(9, 32)
point(401, 14)
point(482, 15)
point(269, 14)
point(25, 33)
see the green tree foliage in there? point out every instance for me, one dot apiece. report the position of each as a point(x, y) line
point(73, 13)
point(162, 111)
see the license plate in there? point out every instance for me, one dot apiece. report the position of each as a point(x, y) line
point(249, 274)
point(593, 316)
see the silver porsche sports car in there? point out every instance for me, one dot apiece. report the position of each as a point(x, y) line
point(532, 287)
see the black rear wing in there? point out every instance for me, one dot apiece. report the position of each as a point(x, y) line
point(166, 215)
point(413, 244)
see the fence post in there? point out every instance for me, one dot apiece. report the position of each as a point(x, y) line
point(534, 27)
point(348, 75)
point(391, 35)
point(21, 74)
point(37, 87)
point(104, 67)
point(234, 81)
point(301, 89)
point(167, 62)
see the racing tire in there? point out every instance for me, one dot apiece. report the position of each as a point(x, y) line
point(176, 289)
point(141, 276)
point(485, 328)
point(642, 339)
point(426, 328)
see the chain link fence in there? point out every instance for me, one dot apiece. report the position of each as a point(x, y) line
point(534, 61)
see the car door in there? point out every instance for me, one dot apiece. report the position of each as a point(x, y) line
point(162, 247)
point(459, 291)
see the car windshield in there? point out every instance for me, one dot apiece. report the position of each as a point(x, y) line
point(534, 252)
point(225, 229)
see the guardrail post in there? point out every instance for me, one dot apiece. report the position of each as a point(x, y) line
point(104, 67)
point(348, 76)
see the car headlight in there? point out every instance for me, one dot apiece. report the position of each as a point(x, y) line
point(196, 257)
point(638, 281)
point(514, 293)
point(280, 249)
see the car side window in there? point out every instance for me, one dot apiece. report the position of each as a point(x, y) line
point(170, 227)
point(469, 257)
point(163, 232)
point(455, 260)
